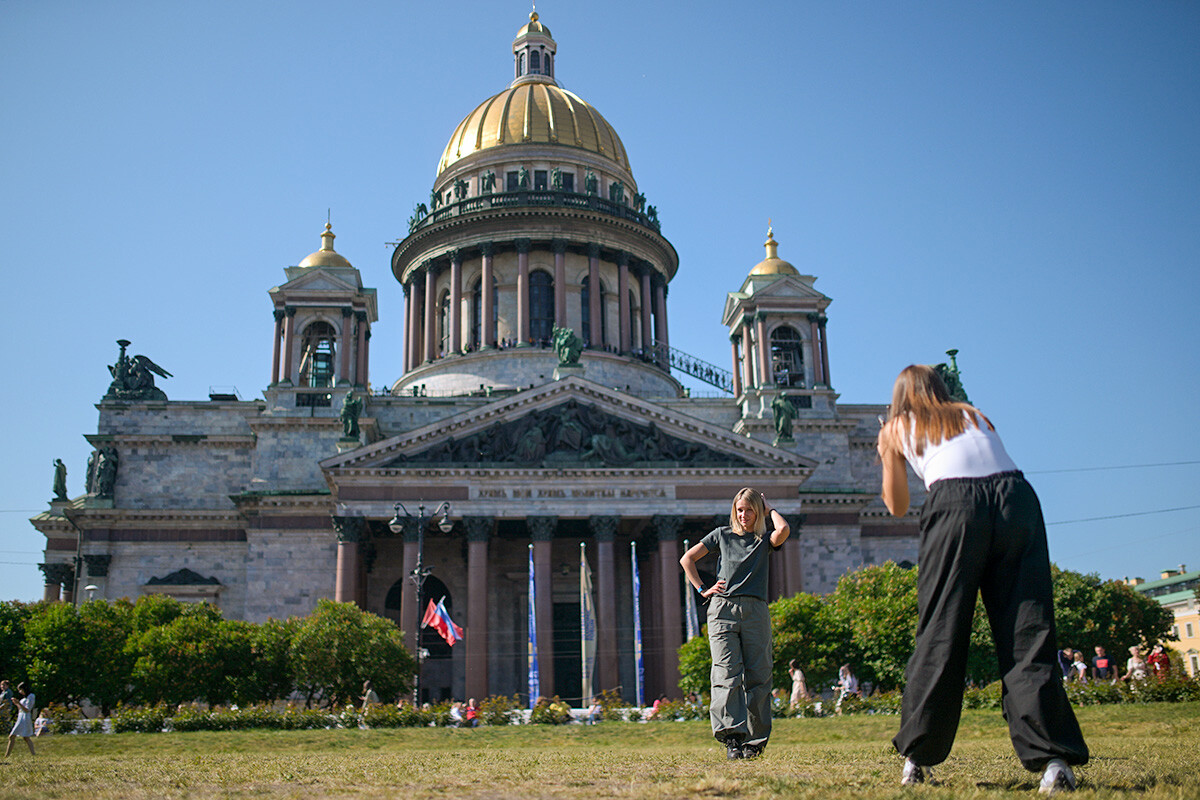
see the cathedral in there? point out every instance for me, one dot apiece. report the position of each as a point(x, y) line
point(537, 416)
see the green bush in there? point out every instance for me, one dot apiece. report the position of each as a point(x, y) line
point(550, 712)
point(498, 710)
point(62, 719)
point(306, 719)
point(982, 696)
point(673, 710)
point(139, 720)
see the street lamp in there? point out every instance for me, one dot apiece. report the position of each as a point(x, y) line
point(420, 572)
point(91, 589)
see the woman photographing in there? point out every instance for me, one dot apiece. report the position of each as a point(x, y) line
point(981, 531)
point(739, 623)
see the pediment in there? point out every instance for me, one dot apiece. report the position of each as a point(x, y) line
point(317, 280)
point(570, 424)
point(786, 292)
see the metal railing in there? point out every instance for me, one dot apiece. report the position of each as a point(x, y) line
point(423, 217)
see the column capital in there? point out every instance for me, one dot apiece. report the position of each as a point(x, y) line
point(604, 528)
point(479, 529)
point(349, 529)
point(522, 244)
point(97, 565)
point(813, 316)
point(559, 246)
point(278, 314)
point(289, 311)
point(541, 528)
point(593, 250)
point(361, 316)
point(61, 574)
point(487, 249)
point(623, 258)
point(667, 526)
point(760, 316)
point(822, 319)
point(347, 312)
point(455, 256)
point(735, 337)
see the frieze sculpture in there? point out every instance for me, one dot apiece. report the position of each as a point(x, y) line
point(571, 433)
point(435, 200)
point(60, 479)
point(639, 202)
point(133, 378)
point(567, 345)
point(556, 179)
point(785, 413)
point(616, 192)
point(950, 376)
point(351, 409)
point(489, 182)
point(652, 213)
point(590, 182)
point(460, 189)
point(523, 179)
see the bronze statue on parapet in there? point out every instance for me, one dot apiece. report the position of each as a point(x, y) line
point(133, 378)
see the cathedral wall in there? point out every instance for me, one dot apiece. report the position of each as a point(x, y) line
point(178, 418)
point(878, 549)
point(288, 452)
point(287, 571)
point(829, 551)
point(166, 473)
point(135, 563)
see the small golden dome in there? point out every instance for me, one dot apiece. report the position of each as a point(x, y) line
point(533, 27)
point(534, 113)
point(326, 256)
point(773, 264)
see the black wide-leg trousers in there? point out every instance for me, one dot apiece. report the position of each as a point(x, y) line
point(986, 535)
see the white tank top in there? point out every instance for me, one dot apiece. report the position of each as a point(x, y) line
point(974, 453)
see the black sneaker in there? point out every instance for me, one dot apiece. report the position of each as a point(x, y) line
point(733, 749)
point(752, 750)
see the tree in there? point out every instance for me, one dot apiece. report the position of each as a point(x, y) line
point(806, 629)
point(197, 655)
point(878, 606)
point(58, 652)
point(13, 616)
point(108, 626)
point(1090, 612)
point(270, 675)
point(339, 646)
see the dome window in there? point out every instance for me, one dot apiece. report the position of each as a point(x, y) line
point(540, 180)
point(549, 67)
point(535, 62)
point(520, 64)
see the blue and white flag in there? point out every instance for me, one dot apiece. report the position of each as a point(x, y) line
point(693, 617)
point(535, 684)
point(587, 626)
point(637, 630)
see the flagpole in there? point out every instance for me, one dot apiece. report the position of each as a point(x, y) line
point(693, 618)
point(535, 685)
point(637, 629)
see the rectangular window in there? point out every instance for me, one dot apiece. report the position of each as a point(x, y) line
point(568, 181)
point(1195, 665)
point(1175, 631)
point(540, 180)
point(512, 182)
point(1189, 630)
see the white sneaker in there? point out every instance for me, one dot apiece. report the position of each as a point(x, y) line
point(915, 774)
point(1056, 778)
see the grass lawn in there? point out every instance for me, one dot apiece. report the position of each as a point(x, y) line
point(1138, 751)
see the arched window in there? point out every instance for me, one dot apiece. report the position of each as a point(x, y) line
point(787, 359)
point(477, 312)
point(541, 306)
point(535, 62)
point(586, 309)
point(520, 64)
point(444, 324)
point(317, 352)
point(549, 66)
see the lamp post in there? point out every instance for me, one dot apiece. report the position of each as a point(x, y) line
point(420, 572)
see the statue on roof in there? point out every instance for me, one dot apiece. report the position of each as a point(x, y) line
point(489, 182)
point(60, 479)
point(785, 413)
point(567, 345)
point(106, 471)
point(133, 378)
point(351, 409)
point(951, 377)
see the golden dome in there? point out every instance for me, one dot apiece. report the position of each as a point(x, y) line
point(326, 256)
point(534, 113)
point(534, 27)
point(773, 264)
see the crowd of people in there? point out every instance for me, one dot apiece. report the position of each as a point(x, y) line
point(1103, 668)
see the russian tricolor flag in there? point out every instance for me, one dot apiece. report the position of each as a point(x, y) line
point(437, 617)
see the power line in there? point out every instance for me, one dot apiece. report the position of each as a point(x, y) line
point(1120, 516)
point(1101, 469)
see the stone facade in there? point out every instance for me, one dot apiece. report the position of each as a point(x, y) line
point(264, 507)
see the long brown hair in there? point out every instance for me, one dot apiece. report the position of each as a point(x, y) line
point(920, 396)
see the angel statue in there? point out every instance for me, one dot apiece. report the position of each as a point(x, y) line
point(133, 378)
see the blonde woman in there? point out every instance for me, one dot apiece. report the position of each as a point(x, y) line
point(981, 531)
point(739, 624)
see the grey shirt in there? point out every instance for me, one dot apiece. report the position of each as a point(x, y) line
point(742, 561)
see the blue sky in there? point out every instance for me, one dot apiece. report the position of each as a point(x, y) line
point(1017, 180)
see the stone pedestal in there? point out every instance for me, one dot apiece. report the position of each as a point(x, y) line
point(567, 370)
point(345, 444)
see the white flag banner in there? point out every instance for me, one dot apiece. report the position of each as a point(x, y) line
point(587, 627)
